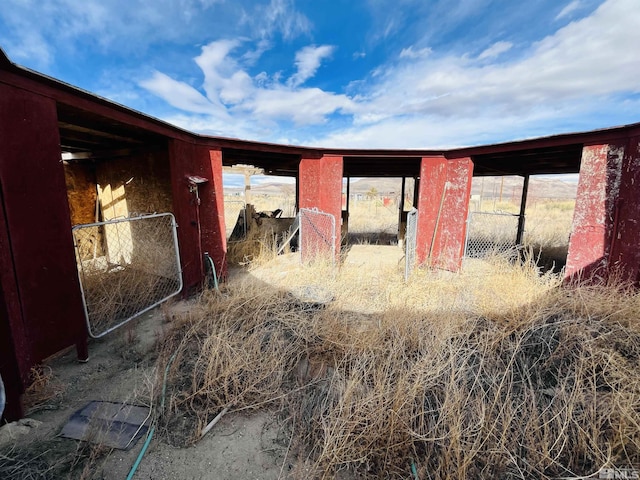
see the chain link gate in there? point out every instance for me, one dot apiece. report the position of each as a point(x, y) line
point(490, 233)
point(126, 267)
point(410, 242)
point(317, 235)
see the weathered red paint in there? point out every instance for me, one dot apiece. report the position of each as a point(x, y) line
point(594, 214)
point(40, 287)
point(200, 227)
point(214, 238)
point(320, 186)
point(625, 254)
point(443, 204)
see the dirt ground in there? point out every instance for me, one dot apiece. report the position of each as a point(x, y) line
point(121, 369)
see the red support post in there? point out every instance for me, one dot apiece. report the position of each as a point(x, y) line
point(199, 209)
point(595, 211)
point(625, 254)
point(443, 205)
point(320, 186)
point(214, 231)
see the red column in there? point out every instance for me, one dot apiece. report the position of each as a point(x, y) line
point(625, 254)
point(320, 186)
point(595, 211)
point(214, 237)
point(40, 287)
point(443, 204)
point(200, 226)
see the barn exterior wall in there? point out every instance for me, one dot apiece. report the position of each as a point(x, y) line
point(40, 287)
point(443, 205)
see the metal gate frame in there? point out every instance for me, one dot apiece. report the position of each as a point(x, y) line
point(81, 275)
point(312, 217)
point(410, 242)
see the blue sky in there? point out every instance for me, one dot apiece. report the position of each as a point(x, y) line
point(345, 73)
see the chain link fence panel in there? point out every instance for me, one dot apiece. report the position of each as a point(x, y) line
point(317, 235)
point(490, 233)
point(410, 242)
point(232, 209)
point(126, 267)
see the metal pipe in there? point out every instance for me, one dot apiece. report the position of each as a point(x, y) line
point(523, 207)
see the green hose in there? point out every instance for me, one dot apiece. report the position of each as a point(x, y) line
point(152, 429)
point(141, 454)
point(213, 270)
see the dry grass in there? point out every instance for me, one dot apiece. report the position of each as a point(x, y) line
point(494, 373)
point(45, 390)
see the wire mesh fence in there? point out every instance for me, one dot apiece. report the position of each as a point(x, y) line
point(410, 242)
point(491, 233)
point(126, 267)
point(317, 235)
point(232, 209)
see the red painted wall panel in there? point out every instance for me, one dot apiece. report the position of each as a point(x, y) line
point(37, 220)
point(443, 205)
point(214, 238)
point(14, 368)
point(625, 254)
point(320, 186)
point(593, 218)
point(206, 222)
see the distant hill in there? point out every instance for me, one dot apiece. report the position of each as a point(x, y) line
point(488, 187)
point(539, 187)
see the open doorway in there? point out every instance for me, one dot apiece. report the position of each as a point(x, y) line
point(375, 210)
point(533, 214)
point(259, 211)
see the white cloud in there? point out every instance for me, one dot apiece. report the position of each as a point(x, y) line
point(63, 27)
point(425, 98)
point(282, 17)
point(414, 54)
point(261, 99)
point(181, 95)
point(568, 9)
point(570, 65)
point(495, 50)
point(308, 61)
point(303, 106)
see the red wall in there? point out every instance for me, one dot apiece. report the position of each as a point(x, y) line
point(625, 254)
point(606, 222)
point(593, 218)
point(320, 186)
point(189, 159)
point(39, 281)
point(443, 204)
